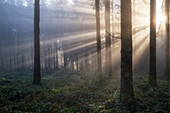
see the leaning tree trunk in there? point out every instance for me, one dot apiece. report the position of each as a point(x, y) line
point(152, 70)
point(126, 91)
point(108, 38)
point(167, 39)
point(37, 76)
point(99, 64)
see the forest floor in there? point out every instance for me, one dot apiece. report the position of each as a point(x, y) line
point(73, 92)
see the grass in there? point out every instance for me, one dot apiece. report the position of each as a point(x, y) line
point(78, 94)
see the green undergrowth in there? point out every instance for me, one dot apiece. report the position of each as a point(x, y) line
point(78, 94)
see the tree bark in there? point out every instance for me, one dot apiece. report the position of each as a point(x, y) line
point(126, 91)
point(152, 70)
point(112, 17)
point(134, 38)
point(37, 76)
point(99, 63)
point(108, 38)
point(166, 74)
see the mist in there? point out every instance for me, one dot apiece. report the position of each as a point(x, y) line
point(72, 44)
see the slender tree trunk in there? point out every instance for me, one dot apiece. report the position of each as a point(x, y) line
point(112, 18)
point(15, 62)
point(167, 39)
point(152, 70)
point(10, 61)
point(56, 57)
point(77, 63)
point(37, 76)
point(1, 58)
point(108, 38)
point(99, 63)
point(65, 61)
point(32, 54)
point(134, 11)
point(49, 55)
point(126, 91)
point(134, 38)
point(23, 60)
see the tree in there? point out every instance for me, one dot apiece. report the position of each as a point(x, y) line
point(37, 76)
point(108, 38)
point(126, 90)
point(99, 65)
point(134, 38)
point(112, 4)
point(152, 69)
point(167, 39)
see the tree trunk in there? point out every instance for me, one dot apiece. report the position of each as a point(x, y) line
point(37, 76)
point(134, 38)
point(108, 38)
point(77, 63)
point(134, 14)
point(167, 39)
point(112, 17)
point(152, 70)
point(99, 63)
point(126, 91)
point(65, 61)
point(56, 56)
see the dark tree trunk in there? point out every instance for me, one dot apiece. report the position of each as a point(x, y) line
point(1, 57)
point(65, 61)
point(152, 70)
point(167, 39)
point(126, 91)
point(37, 76)
point(99, 63)
point(108, 38)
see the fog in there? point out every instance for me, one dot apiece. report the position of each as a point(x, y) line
point(68, 36)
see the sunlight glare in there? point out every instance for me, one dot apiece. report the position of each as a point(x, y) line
point(160, 19)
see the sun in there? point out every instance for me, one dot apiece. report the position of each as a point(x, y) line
point(160, 14)
point(160, 19)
